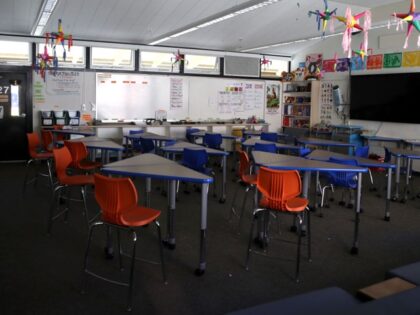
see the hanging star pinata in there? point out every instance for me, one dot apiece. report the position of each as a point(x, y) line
point(325, 16)
point(265, 61)
point(177, 58)
point(58, 38)
point(413, 20)
point(45, 62)
point(352, 22)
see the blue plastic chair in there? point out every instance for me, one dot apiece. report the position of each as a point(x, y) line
point(197, 160)
point(304, 151)
point(188, 133)
point(269, 136)
point(213, 140)
point(340, 179)
point(147, 145)
point(135, 142)
point(265, 147)
point(362, 152)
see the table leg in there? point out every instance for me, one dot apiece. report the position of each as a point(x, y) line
point(169, 242)
point(355, 249)
point(388, 196)
point(203, 230)
point(397, 178)
point(223, 196)
point(407, 180)
point(148, 191)
point(119, 155)
point(126, 146)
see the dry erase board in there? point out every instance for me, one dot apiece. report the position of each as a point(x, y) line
point(135, 96)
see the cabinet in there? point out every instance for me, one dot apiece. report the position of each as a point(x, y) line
point(299, 98)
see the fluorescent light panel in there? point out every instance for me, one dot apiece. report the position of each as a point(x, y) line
point(216, 20)
point(44, 15)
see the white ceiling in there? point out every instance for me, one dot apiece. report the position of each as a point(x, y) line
point(141, 21)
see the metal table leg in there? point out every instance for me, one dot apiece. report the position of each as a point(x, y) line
point(169, 242)
point(407, 180)
point(388, 196)
point(223, 196)
point(397, 178)
point(355, 249)
point(203, 230)
point(148, 191)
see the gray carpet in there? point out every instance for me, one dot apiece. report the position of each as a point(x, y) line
point(42, 275)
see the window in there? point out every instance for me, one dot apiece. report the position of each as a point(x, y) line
point(75, 57)
point(15, 53)
point(112, 58)
point(201, 64)
point(274, 68)
point(158, 61)
point(14, 93)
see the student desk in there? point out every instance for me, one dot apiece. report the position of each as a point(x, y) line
point(326, 143)
point(157, 139)
point(368, 139)
point(287, 162)
point(178, 148)
point(152, 166)
point(106, 146)
point(256, 133)
point(73, 131)
point(407, 155)
point(231, 138)
point(250, 143)
point(322, 155)
point(412, 143)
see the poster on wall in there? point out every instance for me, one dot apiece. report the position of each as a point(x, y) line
point(63, 83)
point(392, 60)
point(273, 100)
point(328, 65)
point(259, 95)
point(342, 65)
point(176, 95)
point(374, 62)
point(38, 93)
point(411, 59)
point(313, 61)
point(357, 63)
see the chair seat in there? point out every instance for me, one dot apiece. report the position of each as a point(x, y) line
point(89, 165)
point(139, 216)
point(293, 205)
point(77, 180)
point(249, 179)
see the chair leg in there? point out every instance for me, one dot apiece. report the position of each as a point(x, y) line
point(214, 184)
point(162, 260)
point(248, 251)
point(85, 263)
point(232, 207)
point(54, 204)
point(119, 250)
point(243, 208)
point(299, 219)
point(50, 175)
point(26, 175)
point(133, 260)
point(308, 220)
point(85, 209)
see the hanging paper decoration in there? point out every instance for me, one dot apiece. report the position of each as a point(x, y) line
point(351, 22)
point(58, 38)
point(265, 62)
point(45, 62)
point(324, 17)
point(177, 58)
point(413, 20)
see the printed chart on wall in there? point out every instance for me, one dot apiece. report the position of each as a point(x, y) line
point(240, 97)
point(273, 99)
point(137, 97)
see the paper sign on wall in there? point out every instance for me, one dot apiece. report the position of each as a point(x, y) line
point(342, 65)
point(328, 65)
point(374, 62)
point(411, 59)
point(392, 60)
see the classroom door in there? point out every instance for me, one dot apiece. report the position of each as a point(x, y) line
point(14, 120)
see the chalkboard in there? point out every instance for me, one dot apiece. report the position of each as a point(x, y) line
point(135, 96)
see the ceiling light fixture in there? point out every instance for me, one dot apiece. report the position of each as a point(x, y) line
point(303, 40)
point(218, 19)
point(47, 9)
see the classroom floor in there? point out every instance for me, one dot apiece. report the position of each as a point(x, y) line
point(42, 275)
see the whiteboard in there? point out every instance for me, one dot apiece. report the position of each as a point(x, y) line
point(136, 97)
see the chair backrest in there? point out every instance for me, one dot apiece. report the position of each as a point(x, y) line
point(59, 137)
point(244, 164)
point(169, 143)
point(135, 142)
point(265, 147)
point(47, 139)
point(33, 144)
point(269, 136)
point(188, 133)
point(77, 150)
point(147, 145)
point(62, 160)
point(278, 186)
point(362, 151)
point(195, 159)
point(114, 196)
point(388, 155)
point(304, 151)
point(213, 140)
point(343, 179)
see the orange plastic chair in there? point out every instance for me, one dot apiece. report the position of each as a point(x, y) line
point(37, 155)
point(246, 179)
point(117, 197)
point(280, 191)
point(62, 158)
point(47, 140)
point(79, 154)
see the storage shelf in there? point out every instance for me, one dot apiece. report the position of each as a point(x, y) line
point(303, 104)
